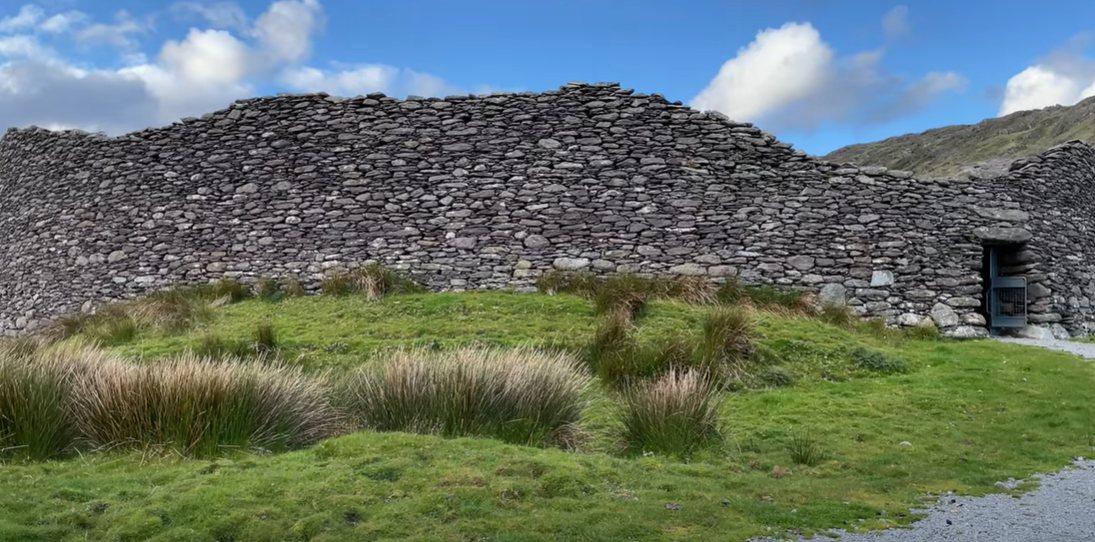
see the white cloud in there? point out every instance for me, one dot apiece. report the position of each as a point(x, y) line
point(20, 46)
point(896, 23)
point(285, 30)
point(28, 16)
point(1063, 77)
point(789, 77)
point(218, 15)
point(202, 71)
point(780, 67)
point(62, 22)
point(368, 78)
point(117, 34)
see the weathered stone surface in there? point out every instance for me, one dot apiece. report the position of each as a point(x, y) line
point(881, 278)
point(944, 316)
point(999, 213)
point(909, 319)
point(1059, 332)
point(974, 319)
point(833, 295)
point(1037, 290)
point(967, 302)
point(1002, 236)
point(493, 191)
point(966, 332)
point(1034, 332)
point(689, 269)
point(802, 263)
point(571, 264)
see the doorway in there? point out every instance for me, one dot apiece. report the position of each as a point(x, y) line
point(1004, 297)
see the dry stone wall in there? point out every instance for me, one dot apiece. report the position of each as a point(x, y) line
point(489, 192)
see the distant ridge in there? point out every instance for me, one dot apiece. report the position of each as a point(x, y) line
point(984, 149)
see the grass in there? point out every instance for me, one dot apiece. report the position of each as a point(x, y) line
point(674, 414)
point(373, 280)
point(521, 396)
point(36, 389)
point(198, 407)
point(975, 412)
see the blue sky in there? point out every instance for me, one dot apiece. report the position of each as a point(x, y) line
point(818, 73)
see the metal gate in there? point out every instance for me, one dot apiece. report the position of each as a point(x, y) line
point(1007, 297)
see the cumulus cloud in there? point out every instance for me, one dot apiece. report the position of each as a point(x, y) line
point(218, 15)
point(121, 33)
point(789, 77)
point(28, 16)
point(896, 23)
point(225, 56)
point(63, 22)
point(1063, 77)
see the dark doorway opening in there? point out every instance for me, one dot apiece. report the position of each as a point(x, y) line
point(1004, 295)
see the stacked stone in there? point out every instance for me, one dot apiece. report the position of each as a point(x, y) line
point(478, 192)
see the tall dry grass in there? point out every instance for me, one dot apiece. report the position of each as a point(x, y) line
point(36, 396)
point(727, 343)
point(675, 414)
point(520, 396)
point(198, 407)
point(373, 280)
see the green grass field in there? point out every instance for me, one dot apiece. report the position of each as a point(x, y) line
point(974, 413)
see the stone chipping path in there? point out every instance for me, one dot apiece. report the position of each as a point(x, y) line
point(1086, 350)
point(1062, 509)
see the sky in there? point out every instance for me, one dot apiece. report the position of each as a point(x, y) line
point(819, 74)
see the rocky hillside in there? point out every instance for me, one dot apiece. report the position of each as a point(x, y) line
point(985, 148)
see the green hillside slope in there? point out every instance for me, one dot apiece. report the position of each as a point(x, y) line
point(945, 152)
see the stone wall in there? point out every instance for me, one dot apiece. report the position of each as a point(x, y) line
point(489, 192)
point(1056, 191)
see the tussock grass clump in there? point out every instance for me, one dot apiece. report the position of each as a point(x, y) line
point(805, 449)
point(922, 333)
point(174, 311)
point(520, 396)
point(878, 362)
point(199, 407)
point(727, 343)
point(840, 316)
point(674, 414)
point(266, 339)
point(268, 289)
point(627, 289)
point(776, 376)
point(373, 280)
point(36, 397)
point(764, 296)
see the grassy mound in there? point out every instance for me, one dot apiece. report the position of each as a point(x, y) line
point(667, 416)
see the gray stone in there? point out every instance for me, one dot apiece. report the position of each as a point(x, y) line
point(722, 271)
point(881, 278)
point(465, 243)
point(974, 319)
point(944, 316)
point(967, 302)
point(116, 256)
point(1034, 332)
point(1036, 290)
point(802, 263)
point(1006, 215)
point(249, 188)
point(909, 319)
point(966, 332)
point(833, 295)
point(1046, 318)
point(536, 242)
point(1002, 236)
point(689, 269)
point(1059, 332)
point(570, 264)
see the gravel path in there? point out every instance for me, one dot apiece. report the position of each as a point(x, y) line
point(1086, 350)
point(1062, 509)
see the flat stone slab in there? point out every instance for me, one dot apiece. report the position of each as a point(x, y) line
point(1002, 236)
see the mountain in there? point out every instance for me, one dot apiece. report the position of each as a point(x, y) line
point(986, 147)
